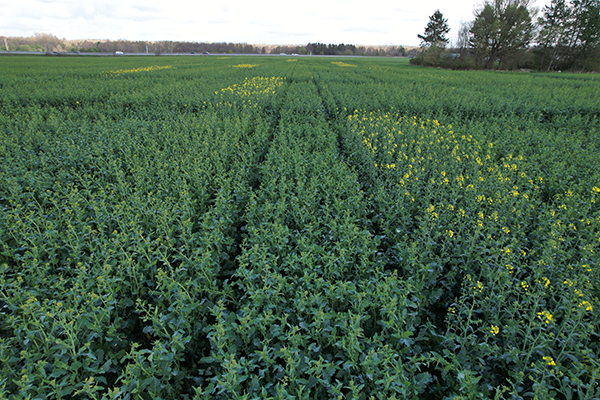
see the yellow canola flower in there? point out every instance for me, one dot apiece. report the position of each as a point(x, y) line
point(254, 86)
point(245, 65)
point(549, 361)
point(545, 316)
point(494, 330)
point(545, 281)
point(342, 64)
point(398, 137)
point(568, 282)
point(586, 306)
point(478, 287)
point(140, 69)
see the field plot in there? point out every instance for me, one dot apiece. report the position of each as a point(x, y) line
point(278, 228)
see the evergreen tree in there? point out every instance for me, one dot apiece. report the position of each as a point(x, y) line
point(435, 31)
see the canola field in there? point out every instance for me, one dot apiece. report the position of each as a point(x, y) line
point(296, 228)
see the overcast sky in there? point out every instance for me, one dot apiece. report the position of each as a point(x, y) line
point(357, 22)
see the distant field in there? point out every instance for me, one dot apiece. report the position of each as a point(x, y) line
point(296, 227)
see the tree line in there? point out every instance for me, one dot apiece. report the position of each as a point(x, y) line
point(47, 42)
point(352, 50)
point(505, 34)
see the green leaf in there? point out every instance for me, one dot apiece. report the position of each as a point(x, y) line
point(56, 373)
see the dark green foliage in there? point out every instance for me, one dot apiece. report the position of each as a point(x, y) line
point(332, 49)
point(570, 35)
point(500, 30)
point(273, 228)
